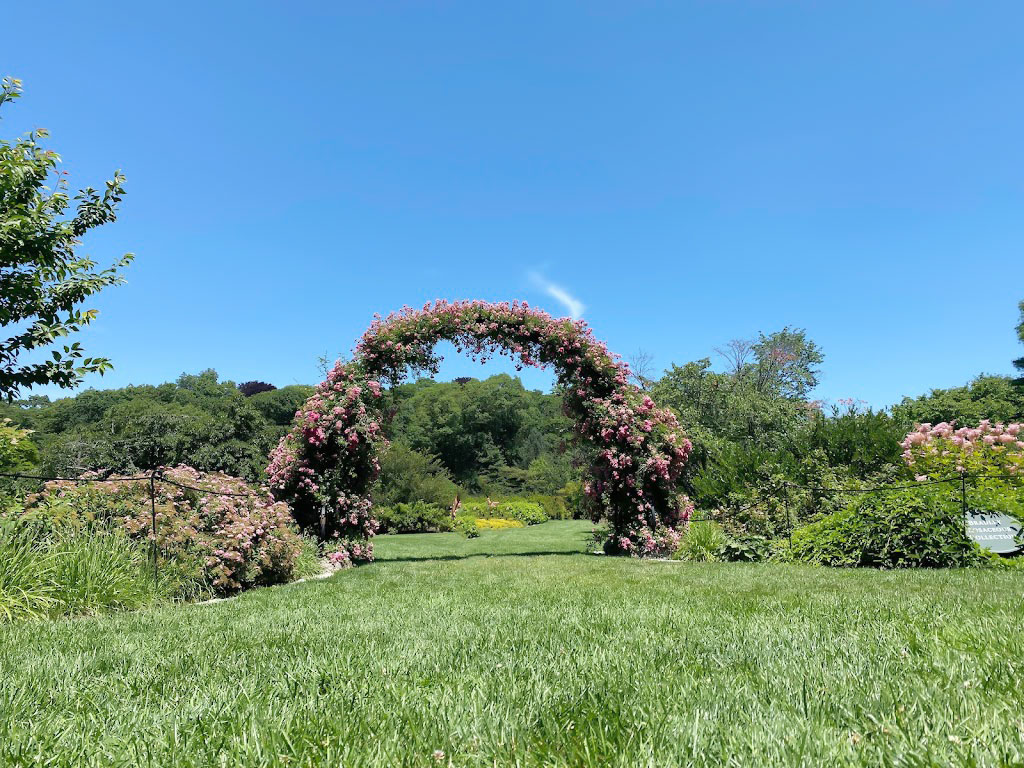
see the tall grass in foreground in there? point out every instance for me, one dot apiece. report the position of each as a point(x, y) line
point(74, 573)
point(101, 571)
point(26, 586)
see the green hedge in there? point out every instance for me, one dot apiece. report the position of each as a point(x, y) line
point(554, 506)
point(527, 512)
point(423, 517)
point(906, 529)
point(417, 517)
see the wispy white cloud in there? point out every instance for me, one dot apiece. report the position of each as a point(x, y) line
point(572, 305)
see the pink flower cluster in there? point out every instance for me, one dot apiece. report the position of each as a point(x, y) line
point(943, 449)
point(343, 553)
point(325, 465)
point(244, 540)
point(328, 461)
point(661, 541)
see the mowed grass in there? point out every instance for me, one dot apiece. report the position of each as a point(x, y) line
point(518, 648)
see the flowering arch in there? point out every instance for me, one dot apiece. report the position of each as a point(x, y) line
point(325, 466)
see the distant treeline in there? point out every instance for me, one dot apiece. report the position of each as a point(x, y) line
point(753, 426)
point(469, 436)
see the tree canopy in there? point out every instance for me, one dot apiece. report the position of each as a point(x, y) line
point(485, 433)
point(197, 420)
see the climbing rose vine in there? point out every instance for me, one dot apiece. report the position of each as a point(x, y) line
point(324, 467)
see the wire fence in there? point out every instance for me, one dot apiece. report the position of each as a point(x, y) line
point(783, 494)
point(151, 479)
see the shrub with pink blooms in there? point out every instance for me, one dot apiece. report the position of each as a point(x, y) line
point(942, 450)
point(989, 456)
point(244, 540)
point(327, 463)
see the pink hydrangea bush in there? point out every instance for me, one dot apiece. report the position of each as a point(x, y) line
point(938, 451)
point(241, 541)
point(327, 463)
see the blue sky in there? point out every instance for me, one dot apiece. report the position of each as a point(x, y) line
point(687, 172)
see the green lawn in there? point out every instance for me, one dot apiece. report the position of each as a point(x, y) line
point(518, 648)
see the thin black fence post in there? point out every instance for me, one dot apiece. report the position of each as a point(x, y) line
point(963, 493)
point(152, 509)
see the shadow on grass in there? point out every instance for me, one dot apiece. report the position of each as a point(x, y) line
point(468, 556)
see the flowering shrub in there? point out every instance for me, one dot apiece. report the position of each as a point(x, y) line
point(241, 541)
point(942, 450)
point(659, 541)
point(326, 464)
point(346, 552)
point(324, 467)
point(990, 456)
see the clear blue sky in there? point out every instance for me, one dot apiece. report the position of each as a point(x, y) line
point(689, 172)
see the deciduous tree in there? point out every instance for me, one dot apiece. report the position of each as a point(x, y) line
point(43, 278)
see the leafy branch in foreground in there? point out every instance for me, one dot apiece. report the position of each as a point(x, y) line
point(43, 281)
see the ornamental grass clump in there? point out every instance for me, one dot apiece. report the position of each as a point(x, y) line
point(27, 590)
point(44, 573)
point(703, 541)
point(325, 466)
point(98, 572)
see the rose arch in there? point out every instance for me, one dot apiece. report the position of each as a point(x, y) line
point(326, 464)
